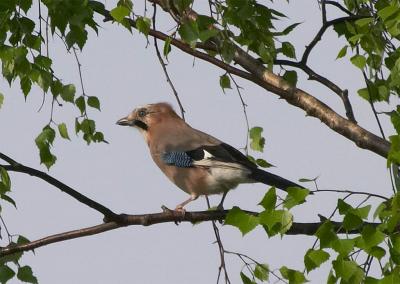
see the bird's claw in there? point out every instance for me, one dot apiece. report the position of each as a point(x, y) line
point(181, 211)
point(178, 209)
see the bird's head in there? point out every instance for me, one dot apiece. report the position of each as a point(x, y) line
point(147, 116)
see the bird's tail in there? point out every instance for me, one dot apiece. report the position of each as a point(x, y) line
point(272, 180)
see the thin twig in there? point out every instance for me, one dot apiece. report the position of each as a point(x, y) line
point(351, 192)
point(242, 256)
point(220, 248)
point(164, 67)
point(7, 231)
point(244, 107)
point(372, 104)
point(322, 30)
point(340, 7)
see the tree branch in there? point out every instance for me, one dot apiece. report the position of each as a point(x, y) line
point(343, 94)
point(168, 216)
point(17, 167)
point(321, 31)
point(260, 75)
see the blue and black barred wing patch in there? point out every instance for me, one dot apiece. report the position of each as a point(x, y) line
point(179, 159)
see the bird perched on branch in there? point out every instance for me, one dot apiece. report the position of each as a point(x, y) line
point(196, 162)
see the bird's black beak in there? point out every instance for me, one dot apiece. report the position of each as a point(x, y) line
point(125, 122)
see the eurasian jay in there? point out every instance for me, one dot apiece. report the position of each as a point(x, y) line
point(196, 162)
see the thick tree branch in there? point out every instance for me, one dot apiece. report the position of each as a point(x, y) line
point(275, 84)
point(17, 167)
point(168, 216)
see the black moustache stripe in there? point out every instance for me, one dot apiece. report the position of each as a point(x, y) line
point(141, 124)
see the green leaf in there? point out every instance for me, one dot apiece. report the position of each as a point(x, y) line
point(68, 93)
point(206, 34)
point(25, 5)
point(343, 207)
point(288, 50)
point(349, 271)
point(243, 221)
point(32, 41)
point(5, 180)
point(377, 252)
point(372, 236)
point(326, 235)
point(314, 258)
point(296, 196)
point(43, 141)
point(143, 25)
point(99, 137)
point(225, 82)
point(290, 77)
point(246, 279)
point(263, 163)
point(189, 32)
point(43, 61)
point(342, 52)
point(351, 221)
point(26, 85)
point(9, 200)
point(62, 128)
point(265, 53)
point(228, 51)
point(379, 209)
point(257, 141)
point(81, 104)
point(119, 13)
point(392, 278)
point(269, 200)
point(343, 246)
point(126, 3)
point(387, 12)
point(363, 212)
point(22, 240)
point(76, 35)
point(364, 21)
point(359, 61)
point(308, 179)
point(261, 272)
point(294, 276)
point(93, 102)
point(25, 274)
point(167, 46)
point(1, 99)
point(276, 221)
point(288, 29)
point(6, 273)
point(88, 126)
point(14, 258)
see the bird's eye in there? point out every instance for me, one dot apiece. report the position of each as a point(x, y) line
point(142, 113)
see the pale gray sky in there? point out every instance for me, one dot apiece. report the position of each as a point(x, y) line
point(123, 74)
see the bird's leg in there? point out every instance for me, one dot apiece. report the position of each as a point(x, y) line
point(221, 204)
point(180, 207)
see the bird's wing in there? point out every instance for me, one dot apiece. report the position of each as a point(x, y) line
point(194, 146)
point(208, 153)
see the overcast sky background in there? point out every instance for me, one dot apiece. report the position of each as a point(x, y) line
point(121, 175)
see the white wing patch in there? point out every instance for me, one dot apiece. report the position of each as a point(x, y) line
point(207, 155)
